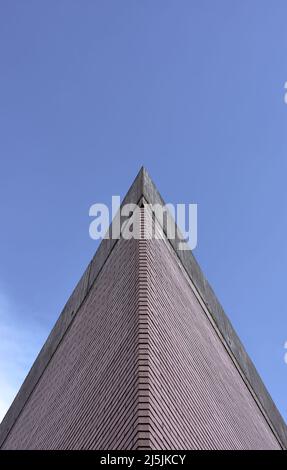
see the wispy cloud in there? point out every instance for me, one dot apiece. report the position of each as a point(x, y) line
point(21, 336)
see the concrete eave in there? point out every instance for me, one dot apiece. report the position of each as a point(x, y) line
point(143, 187)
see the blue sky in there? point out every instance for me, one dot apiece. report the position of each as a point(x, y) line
point(193, 90)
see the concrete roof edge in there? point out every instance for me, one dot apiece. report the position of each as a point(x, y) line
point(143, 186)
point(66, 317)
point(233, 343)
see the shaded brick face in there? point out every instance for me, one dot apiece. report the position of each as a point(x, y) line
point(87, 396)
point(141, 366)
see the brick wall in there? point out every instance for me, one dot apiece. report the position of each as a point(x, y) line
point(141, 366)
point(198, 399)
point(87, 396)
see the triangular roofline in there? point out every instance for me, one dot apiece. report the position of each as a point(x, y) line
point(144, 189)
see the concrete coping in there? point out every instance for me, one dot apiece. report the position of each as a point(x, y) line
point(143, 188)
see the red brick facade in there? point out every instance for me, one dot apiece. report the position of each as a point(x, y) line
point(142, 365)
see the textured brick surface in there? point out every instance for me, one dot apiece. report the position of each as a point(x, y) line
point(141, 366)
point(198, 399)
point(87, 396)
